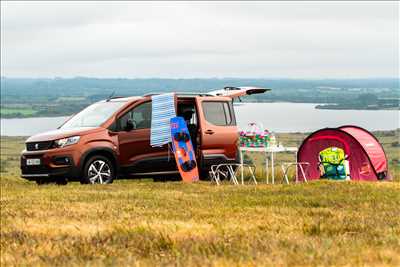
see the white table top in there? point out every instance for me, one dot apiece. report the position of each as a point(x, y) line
point(270, 149)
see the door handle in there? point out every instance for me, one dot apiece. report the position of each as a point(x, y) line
point(209, 132)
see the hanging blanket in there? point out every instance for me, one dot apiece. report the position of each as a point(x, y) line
point(163, 109)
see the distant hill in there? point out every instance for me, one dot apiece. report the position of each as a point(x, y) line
point(27, 97)
point(83, 86)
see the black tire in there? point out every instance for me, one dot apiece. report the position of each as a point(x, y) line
point(61, 181)
point(95, 172)
point(160, 179)
point(204, 174)
point(43, 181)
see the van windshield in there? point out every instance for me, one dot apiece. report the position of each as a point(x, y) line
point(94, 115)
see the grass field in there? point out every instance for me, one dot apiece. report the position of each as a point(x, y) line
point(141, 223)
point(21, 111)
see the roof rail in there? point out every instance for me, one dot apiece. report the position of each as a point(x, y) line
point(115, 97)
point(230, 88)
point(182, 94)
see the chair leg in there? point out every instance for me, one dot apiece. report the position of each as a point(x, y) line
point(302, 172)
point(285, 171)
point(252, 175)
point(286, 176)
point(214, 177)
point(233, 176)
point(217, 179)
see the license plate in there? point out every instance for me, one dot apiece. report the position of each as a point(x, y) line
point(31, 162)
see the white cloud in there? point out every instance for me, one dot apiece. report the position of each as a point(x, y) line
point(200, 39)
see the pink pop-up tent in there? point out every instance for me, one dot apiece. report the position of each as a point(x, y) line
point(367, 159)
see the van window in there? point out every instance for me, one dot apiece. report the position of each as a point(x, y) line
point(218, 113)
point(140, 116)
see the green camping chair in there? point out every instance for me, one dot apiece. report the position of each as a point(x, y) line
point(333, 164)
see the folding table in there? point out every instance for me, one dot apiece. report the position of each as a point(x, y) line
point(268, 151)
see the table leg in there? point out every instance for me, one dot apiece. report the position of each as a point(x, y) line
point(267, 167)
point(297, 176)
point(241, 164)
point(272, 168)
point(242, 175)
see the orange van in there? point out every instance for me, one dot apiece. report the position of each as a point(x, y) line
point(111, 139)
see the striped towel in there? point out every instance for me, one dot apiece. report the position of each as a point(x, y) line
point(163, 109)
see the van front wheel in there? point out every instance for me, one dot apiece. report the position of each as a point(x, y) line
point(98, 170)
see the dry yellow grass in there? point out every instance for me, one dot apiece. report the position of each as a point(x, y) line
point(141, 223)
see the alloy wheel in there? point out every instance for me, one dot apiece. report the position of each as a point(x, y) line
point(99, 172)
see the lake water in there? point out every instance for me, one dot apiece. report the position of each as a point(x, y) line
point(277, 117)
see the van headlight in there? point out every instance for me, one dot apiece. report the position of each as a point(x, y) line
point(66, 141)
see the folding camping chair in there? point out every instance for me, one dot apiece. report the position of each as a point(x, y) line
point(286, 166)
point(227, 171)
point(333, 164)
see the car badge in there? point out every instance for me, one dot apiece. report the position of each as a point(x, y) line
point(36, 146)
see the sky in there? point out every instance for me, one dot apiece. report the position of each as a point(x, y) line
point(200, 39)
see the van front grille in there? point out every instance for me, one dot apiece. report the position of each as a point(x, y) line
point(36, 146)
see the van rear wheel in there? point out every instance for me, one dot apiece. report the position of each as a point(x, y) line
point(42, 181)
point(61, 181)
point(98, 170)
